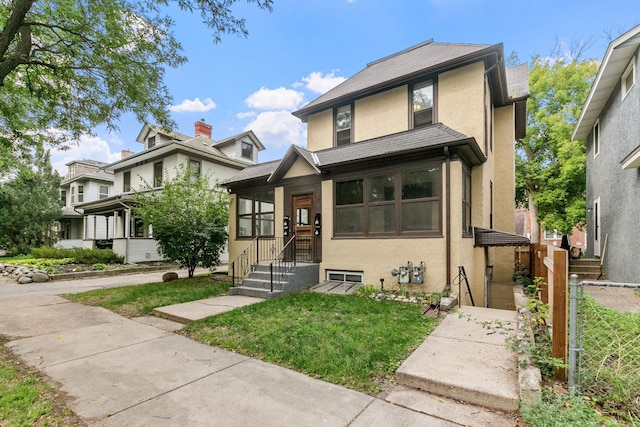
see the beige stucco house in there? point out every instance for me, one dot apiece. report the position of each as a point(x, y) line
point(409, 160)
point(163, 151)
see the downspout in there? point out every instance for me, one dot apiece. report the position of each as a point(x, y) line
point(447, 157)
point(127, 232)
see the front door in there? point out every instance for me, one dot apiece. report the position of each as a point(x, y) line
point(303, 227)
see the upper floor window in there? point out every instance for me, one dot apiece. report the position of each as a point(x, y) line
point(247, 150)
point(422, 104)
point(343, 121)
point(256, 214)
point(596, 139)
point(157, 174)
point(194, 170)
point(126, 181)
point(73, 195)
point(103, 192)
point(80, 193)
point(552, 235)
point(63, 198)
point(151, 141)
point(629, 78)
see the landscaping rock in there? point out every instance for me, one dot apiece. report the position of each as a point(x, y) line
point(23, 280)
point(39, 277)
point(169, 276)
point(447, 303)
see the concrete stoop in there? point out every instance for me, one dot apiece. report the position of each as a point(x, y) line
point(258, 283)
point(466, 359)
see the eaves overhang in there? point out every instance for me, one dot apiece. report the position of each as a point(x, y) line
point(616, 60)
point(489, 237)
point(632, 160)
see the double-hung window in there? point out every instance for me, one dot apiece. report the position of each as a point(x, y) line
point(194, 170)
point(80, 193)
point(247, 150)
point(126, 181)
point(103, 192)
point(389, 204)
point(422, 104)
point(343, 125)
point(157, 174)
point(256, 214)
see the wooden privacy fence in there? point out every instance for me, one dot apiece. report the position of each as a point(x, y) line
point(551, 263)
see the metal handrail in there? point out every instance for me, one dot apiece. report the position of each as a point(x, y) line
point(284, 261)
point(259, 249)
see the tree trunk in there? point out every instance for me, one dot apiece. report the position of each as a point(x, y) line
point(533, 217)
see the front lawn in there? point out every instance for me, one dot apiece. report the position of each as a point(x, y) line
point(346, 340)
point(139, 300)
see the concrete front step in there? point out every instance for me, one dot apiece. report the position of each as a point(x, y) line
point(255, 292)
point(448, 409)
point(466, 358)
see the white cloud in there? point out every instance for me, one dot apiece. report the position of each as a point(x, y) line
point(319, 83)
point(278, 129)
point(193, 106)
point(89, 148)
point(275, 99)
point(246, 115)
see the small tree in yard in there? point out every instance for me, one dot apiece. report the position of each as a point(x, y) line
point(188, 218)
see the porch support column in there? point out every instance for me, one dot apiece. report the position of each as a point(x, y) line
point(84, 227)
point(95, 222)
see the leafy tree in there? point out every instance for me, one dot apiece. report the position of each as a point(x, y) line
point(67, 66)
point(550, 168)
point(189, 219)
point(30, 205)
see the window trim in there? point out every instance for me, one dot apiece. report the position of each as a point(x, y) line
point(126, 181)
point(102, 195)
point(193, 177)
point(397, 203)
point(596, 138)
point(630, 70)
point(345, 273)
point(254, 214)
point(80, 193)
point(434, 95)
point(157, 176)
point(335, 124)
point(151, 142)
point(244, 144)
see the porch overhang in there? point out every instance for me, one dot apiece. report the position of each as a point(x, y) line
point(488, 237)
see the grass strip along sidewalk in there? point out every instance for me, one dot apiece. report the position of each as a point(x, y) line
point(346, 340)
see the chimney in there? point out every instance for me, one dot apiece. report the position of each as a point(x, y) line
point(203, 129)
point(126, 153)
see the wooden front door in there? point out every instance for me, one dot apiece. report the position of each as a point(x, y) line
point(303, 226)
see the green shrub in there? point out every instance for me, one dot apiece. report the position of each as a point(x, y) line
point(368, 291)
point(96, 256)
point(98, 266)
point(51, 253)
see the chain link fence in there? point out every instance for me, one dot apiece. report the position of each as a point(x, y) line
point(604, 351)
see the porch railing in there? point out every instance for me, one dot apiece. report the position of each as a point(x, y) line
point(297, 249)
point(259, 250)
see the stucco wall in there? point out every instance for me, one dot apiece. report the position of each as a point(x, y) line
point(320, 130)
point(381, 114)
point(299, 168)
point(460, 103)
point(618, 189)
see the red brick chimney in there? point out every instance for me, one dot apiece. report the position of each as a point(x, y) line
point(126, 153)
point(203, 129)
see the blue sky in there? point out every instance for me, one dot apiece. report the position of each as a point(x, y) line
point(304, 47)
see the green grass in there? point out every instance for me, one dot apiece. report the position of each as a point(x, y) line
point(26, 400)
point(346, 340)
point(134, 301)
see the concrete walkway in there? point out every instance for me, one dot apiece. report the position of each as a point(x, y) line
point(136, 372)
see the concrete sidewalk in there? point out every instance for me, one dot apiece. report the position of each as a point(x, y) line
point(120, 372)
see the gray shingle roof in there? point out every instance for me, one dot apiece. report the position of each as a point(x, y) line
point(487, 237)
point(395, 68)
point(429, 137)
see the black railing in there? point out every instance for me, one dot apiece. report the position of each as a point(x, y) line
point(297, 249)
point(260, 249)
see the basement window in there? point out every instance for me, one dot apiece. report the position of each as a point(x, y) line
point(345, 276)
